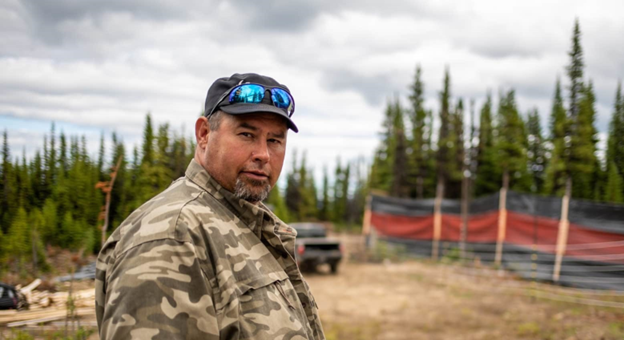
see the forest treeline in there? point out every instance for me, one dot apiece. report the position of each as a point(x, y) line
point(504, 144)
point(55, 199)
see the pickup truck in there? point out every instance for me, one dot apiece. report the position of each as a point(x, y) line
point(314, 248)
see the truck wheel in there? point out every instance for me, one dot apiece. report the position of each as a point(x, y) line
point(333, 267)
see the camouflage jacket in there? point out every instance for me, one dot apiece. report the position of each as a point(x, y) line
point(195, 262)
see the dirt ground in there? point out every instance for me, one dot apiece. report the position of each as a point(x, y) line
point(420, 300)
point(423, 300)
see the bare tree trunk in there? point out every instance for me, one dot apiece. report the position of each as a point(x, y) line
point(108, 188)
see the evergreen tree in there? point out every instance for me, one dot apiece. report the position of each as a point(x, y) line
point(512, 143)
point(277, 204)
point(615, 145)
point(325, 211)
point(148, 142)
point(454, 184)
point(575, 73)
point(100, 163)
point(293, 194)
point(419, 144)
point(536, 151)
point(583, 161)
point(447, 139)
point(18, 241)
point(6, 190)
point(615, 185)
point(556, 168)
point(381, 171)
point(399, 185)
point(488, 168)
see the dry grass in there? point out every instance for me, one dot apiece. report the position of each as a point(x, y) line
point(420, 300)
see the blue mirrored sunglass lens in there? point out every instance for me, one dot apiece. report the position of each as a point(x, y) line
point(248, 93)
point(281, 98)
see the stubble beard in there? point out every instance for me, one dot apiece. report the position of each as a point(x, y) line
point(251, 190)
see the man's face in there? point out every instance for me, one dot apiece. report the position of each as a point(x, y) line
point(245, 154)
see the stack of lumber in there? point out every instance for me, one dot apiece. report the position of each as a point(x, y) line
point(46, 306)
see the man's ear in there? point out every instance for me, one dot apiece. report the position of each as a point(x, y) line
point(202, 130)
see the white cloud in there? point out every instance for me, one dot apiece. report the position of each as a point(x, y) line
point(102, 65)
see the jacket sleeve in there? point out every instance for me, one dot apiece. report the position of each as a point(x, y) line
point(156, 290)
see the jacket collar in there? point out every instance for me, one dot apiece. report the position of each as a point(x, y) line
point(253, 215)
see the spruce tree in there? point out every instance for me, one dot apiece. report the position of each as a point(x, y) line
point(488, 170)
point(583, 159)
point(419, 147)
point(148, 142)
point(325, 211)
point(100, 162)
point(536, 152)
point(399, 185)
point(512, 143)
point(447, 139)
point(615, 145)
point(381, 171)
point(556, 169)
point(615, 185)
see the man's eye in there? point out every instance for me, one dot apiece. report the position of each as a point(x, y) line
point(246, 134)
point(276, 141)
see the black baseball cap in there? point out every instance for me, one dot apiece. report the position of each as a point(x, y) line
point(217, 97)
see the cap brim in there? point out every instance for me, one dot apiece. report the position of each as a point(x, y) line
point(240, 108)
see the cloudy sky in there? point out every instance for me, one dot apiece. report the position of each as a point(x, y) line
point(99, 66)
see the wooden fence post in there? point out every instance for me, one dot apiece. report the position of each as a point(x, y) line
point(367, 216)
point(437, 219)
point(502, 219)
point(564, 226)
point(107, 187)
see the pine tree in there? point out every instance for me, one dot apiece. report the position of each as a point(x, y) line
point(575, 73)
point(148, 142)
point(454, 184)
point(536, 152)
point(447, 139)
point(556, 168)
point(512, 143)
point(399, 185)
point(18, 241)
point(100, 163)
point(277, 204)
point(615, 145)
point(488, 168)
point(293, 194)
point(325, 211)
point(419, 147)
point(615, 185)
point(6, 192)
point(583, 160)
point(381, 171)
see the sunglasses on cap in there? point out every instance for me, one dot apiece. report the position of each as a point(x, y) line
point(254, 94)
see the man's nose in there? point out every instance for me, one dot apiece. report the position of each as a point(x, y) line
point(261, 152)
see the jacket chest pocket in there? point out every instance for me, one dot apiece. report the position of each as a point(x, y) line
point(269, 308)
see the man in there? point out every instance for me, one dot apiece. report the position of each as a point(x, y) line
point(205, 259)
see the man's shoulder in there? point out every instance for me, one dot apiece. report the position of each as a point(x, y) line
point(167, 215)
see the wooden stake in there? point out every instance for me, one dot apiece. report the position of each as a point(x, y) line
point(502, 218)
point(437, 218)
point(464, 213)
point(367, 216)
point(107, 187)
point(564, 226)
